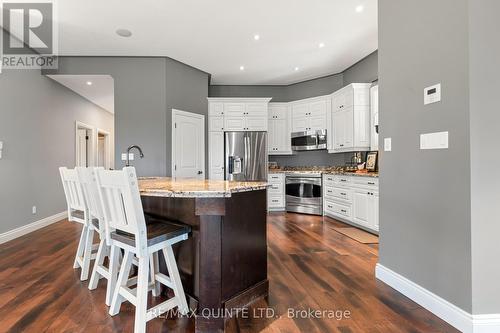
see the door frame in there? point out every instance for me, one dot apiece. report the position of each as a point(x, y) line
point(108, 159)
point(175, 113)
point(91, 145)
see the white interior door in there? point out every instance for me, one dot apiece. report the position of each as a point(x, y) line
point(188, 145)
point(81, 147)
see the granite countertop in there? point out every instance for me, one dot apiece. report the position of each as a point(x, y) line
point(194, 188)
point(315, 170)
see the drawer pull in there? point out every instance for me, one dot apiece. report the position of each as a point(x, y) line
point(343, 211)
point(371, 183)
point(275, 200)
point(343, 180)
point(343, 193)
point(330, 206)
point(329, 191)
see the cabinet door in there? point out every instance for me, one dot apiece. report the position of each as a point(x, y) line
point(215, 124)
point(216, 109)
point(271, 136)
point(234, 123)
point(300, 124)
point(234, 109)
point(300, 110)
point(317, 122)
point(373, 211)
point(342, 99)
point(282, 137)
point(361, 209)
point(318, 108)
point(361, 126)
point(256, 123)
point(256, 110)
point(374, 117)
point(216, 155)
point(338, 130)
point(348, 116)
point(277, 111)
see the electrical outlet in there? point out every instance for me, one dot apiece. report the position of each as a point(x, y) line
point(387, 144)
point(33, 210)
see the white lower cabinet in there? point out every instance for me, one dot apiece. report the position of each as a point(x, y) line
point(353, 199)
point(276, 192)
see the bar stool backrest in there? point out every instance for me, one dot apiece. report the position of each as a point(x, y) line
point(74, 194)
point(122, 206)
point(88, 181)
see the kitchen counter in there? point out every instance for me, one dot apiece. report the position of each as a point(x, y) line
point(194, 188)
point(329, 172)
point(223, 263)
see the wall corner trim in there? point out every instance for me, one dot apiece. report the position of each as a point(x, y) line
point(26, 229)
point(460, 319)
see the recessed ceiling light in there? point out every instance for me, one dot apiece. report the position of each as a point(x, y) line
point(256, 37)
point(242, 68)
point(296, 68)
point(89, 83)
point(124, 32)
point(360, 8)
point(321, 45)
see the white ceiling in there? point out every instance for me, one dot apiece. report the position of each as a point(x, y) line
point(100, 92)
point(216, 36)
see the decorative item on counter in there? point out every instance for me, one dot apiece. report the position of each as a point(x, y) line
point(273, 165)
point(371, 161)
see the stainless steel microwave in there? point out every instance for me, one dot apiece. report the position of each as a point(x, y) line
point(310, 140)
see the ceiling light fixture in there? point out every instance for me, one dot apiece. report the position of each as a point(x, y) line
point(296, 68)
point(124, 32)
point(89, 83)
point(359, 8)
point(256, 37)
point(321, 45)
point(242, 68)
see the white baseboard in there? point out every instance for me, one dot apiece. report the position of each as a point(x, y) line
point(26, 229)
point(450, 313)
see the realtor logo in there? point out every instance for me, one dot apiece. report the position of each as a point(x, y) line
point(29, 34)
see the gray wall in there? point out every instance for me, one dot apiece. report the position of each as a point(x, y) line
point(484, 120)
point(37, 127)
point(146, 90)
point(425, 195)
point(363, 71)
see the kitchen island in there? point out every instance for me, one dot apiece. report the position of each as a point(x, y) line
point(223, 264)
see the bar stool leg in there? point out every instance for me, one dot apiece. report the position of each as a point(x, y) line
point(87, 254)
point(81, 247)
point(99, 261)
point(154, 269)
point(173, 272)
point(114, 265)
point(142, 295)
point(117, 300)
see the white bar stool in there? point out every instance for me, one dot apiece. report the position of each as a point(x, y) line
point(78, 212)
point(122, 207)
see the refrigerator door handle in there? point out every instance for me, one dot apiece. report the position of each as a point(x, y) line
point(245, 141)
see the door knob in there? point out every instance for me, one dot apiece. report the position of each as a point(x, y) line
point(200, 172)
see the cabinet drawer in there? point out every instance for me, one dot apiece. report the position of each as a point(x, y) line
point(234, 123)
point(365, 181)
point(234, 109)
point(338, 209)
point(338, 193)
point(275, 188)
point(275, 201)
point(256, 110)
point(275, 178)
point(343, 180)
point(328, 180)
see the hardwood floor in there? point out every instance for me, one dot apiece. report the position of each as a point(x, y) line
point(311, 266)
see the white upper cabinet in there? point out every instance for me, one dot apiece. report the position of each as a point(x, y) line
point(279, 138)
point(351, 118)
point(238, 114)
point(374, 117)
point(311, 114)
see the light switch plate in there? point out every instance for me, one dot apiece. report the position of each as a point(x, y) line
point(438, 140)
point(387, 144)
point(432, 94)
point(130, 157)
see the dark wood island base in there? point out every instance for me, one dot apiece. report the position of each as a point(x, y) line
point(223, 264)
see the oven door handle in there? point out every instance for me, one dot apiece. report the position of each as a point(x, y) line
point(303, 181)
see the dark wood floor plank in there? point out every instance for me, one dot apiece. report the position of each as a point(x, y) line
point(311, 266)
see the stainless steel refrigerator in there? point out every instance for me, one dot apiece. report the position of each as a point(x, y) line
point(245, 156)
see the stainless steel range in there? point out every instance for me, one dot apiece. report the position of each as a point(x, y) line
point(304, 193)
